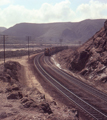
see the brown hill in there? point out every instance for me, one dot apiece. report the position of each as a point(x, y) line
point(52, 32)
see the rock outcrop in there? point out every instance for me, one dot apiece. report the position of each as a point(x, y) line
point(18, 101)
point(90, 60)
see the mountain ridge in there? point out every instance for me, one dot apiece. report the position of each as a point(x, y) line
point(69, 32)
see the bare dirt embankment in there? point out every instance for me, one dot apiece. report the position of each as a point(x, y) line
point(88, 62)
point(23, 97)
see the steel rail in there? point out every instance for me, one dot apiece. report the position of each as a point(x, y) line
point(92, 111)
point(78, 82)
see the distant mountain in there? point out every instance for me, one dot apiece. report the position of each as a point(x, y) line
point(69, 32)
point(2, 29)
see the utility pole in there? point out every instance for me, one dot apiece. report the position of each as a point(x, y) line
point(28, 38)
point(4, 47)
point(4, 37)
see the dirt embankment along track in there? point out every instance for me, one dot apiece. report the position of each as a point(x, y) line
point(23, 97)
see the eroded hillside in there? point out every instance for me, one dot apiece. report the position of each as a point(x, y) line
point(90, 59)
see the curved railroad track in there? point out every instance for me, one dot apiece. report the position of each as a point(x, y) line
point(79, 83)
point(43, 64)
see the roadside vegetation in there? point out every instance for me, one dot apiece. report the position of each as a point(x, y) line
point(18, 53)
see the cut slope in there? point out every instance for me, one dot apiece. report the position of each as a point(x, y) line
point(90, 59)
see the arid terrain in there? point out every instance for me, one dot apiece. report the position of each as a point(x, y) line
point(23, 98)
point(25, 95)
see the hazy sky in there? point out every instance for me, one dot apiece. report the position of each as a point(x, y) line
point(44, 11)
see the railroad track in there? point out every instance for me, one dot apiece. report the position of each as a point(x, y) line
point(77, 82)
point(85, 106)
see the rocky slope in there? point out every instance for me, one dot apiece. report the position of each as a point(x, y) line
point(89, 60)
point(19, 102)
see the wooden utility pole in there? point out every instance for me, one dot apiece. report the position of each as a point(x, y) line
point(4, 47)
point(28, 38)
point(4, 38)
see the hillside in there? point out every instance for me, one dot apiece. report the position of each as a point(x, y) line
point(69, 32)
point(2, 29)
point(89, 60)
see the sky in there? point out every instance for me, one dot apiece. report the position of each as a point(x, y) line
point(47, 11)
